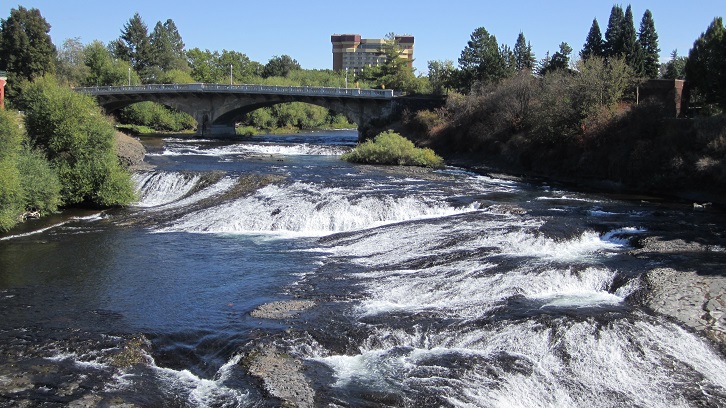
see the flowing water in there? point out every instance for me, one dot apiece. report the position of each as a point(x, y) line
point(431, 288)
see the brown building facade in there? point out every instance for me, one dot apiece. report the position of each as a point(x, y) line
point(352, 52)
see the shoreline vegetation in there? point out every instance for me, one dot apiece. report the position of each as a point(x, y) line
point(578, 121)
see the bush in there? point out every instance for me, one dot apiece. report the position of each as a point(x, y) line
point(156, 116)
point(40, 185)
point(79, 142)
point(11, 196)
point(392, 148)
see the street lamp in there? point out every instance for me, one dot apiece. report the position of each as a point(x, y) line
point(129, 76)
point(346, 77)
point(230, 74)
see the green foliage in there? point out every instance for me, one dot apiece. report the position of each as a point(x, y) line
point(104, 70)
point(442, 76)
point(594, 44)
point(481, 60)
point(648, 39)
point(391, 148)
point(70, 64)
point(11, 194)
point(706, 67)
point(246, 131)
point(167, 48)
point(523, 55)
point(40, 184)
point(214, 67)
point(614, 36)
point(26, 50)
point(134, 45)
point(280, 66)
point(79, 142)
point(675, 68)
point(560, 61)
point(156, 116)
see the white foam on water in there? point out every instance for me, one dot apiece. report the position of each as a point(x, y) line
point(302, 149)
point(158, 188)
point(309, 209)
point(568, 364)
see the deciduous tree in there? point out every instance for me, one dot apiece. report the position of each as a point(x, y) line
point(280, 66)
point(26, 50)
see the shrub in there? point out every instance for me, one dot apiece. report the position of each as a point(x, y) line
point(391, 148)
point(40, 185)
point(11, 137)
point(79, 142)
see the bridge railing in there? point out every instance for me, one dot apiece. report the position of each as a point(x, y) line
point(256, 89)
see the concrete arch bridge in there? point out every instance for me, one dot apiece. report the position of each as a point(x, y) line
point(217, 107)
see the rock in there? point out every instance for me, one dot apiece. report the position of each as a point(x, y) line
point(129, 151)
point(281, 375)
point(282, 309)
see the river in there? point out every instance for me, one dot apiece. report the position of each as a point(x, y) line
point(428, 288)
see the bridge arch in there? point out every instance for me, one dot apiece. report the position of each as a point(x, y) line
point(215, 106)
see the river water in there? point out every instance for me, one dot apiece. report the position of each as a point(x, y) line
point(431, 288)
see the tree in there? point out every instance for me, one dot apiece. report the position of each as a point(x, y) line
point(104, 70)
point(481, 60)
point(632, 50)
point(134, 45)
point(79, 141)
point(11, 196)
point(648, 39)
point(280, 66)
point(706, 66)
point(70, 66)
point(442, 76)
point(614, 44)
point(523, 55)
point(560, 60)
point(26, 50)
point(594, 44)
point(167, 47)
point(675, 68)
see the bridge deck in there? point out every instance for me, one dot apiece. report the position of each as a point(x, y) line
point(244, 89)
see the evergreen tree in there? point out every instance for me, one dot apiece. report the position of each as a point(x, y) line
point(594, 44)
point(524, 58)
point(167, 47)
point(631, 47)
point(26, 50)
point(559, 61)
point(614, 44)
point(481, 60)
point(134, 45)
point(648, 39)
point(706, 66)
point(675, 68)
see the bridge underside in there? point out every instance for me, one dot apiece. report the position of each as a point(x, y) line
point(216, 114)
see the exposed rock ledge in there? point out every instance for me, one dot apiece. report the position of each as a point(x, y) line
point(696, 294)
point(281, 309)
point(281, 375)
point(129, 151)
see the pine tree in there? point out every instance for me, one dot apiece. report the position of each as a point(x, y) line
point(167, 47)
point(675, 68)
point(648, 39)
point(594, 44)
point(614, 45)
point(706, 66)
point(632, 50)
point(134, 45)
point(482, 60)
point(524, 58)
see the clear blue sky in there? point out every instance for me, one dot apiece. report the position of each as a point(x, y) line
point(302, 28)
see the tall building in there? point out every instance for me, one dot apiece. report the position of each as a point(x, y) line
point(352, 52)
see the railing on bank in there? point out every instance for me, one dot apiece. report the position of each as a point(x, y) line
point(256, 89)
